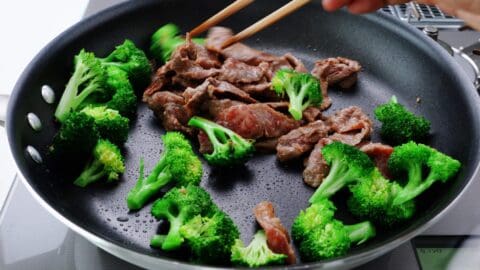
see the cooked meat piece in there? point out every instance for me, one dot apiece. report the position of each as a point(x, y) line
point(158, 100)
point(195, 97)
point(222, 89)
point(159, 80)
point(316, 167)
point(295, 63)
point(339, 70)
point(218, 35)
point(267, 145)
point(175, 118)
point(312, 114)
point(301, 140)
point(327, 101)
point(254, 121)
point(351, 125)
point(236, 72)
point(260, 90)
point(206, 146)
point(198, 53)
point(278, 239)
point(215, 106)
point(380, 153)
point(281, 106)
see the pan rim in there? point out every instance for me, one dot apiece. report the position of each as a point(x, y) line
point(151, 262)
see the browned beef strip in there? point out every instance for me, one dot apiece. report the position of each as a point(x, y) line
point(339, 70)
point(266, 145)
point(195, 97)
point(380, 153)
point(222, 89)
point(281, 106)
point(159, 80)
point(254, 121)
point(278, 239)
point(157, 101)
point(260, 90)
point(206, 146)
point(351, 126)
point(301, 140)
point(175, 118)
point(235, 71)
point(312, 114)
point(214, 106)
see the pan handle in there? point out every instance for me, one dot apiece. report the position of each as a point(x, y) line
point(3, 109)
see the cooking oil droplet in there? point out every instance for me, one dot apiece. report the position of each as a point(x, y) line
point(122, 219)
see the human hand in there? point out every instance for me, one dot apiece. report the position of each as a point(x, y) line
point(468, 10)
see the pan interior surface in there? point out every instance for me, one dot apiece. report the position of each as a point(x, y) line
point(396, 62)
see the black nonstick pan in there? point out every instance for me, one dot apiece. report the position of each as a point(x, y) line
point(397, 59)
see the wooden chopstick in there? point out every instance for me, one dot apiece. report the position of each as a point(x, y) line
point(265, 22)
point(220, 16)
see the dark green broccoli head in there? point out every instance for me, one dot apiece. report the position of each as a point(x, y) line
point(210, 239)
point(178, 164)
point(302, 89)
point(76, 138)
point(124, 100)
point(178, 206)
point(347, 165)
point(110, 124)
point(318, 214)
point(372, 200)
point(107, 162)
point(423, 165)
point(229, 148)
point(256, 254)
point(87, 85)
point(400, 125)
point(132, 60)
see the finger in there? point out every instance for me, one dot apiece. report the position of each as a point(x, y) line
point(471, 19)
point(332, 5)
point(364, 6)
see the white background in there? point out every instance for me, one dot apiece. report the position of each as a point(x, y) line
point(25, 28)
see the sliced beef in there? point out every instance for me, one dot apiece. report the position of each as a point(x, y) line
point(214, 106)
point(266, 145)
point(175, 118)
point(380, 153)
point(157, 101)
point(254, 121)
point(195, 97)
point(281, 106)
point(235, 71)
point(206, 146)
point(312, 114)
point(223, 89)
point(351, 125)
point(260, 90)
point(278, 239)
point(301, 140)
point(339, 70)
point(159, 81)
point(316, 167)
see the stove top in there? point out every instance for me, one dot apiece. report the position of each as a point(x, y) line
point(31, 238)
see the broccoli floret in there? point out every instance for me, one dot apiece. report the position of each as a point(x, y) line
point(400, 125)
point(257, 253)
point(302, 89)
point(347, 165)
point(178, 206)
point(132, 60)
point(178, 164)
point(110, 124)
point(76, 138)
point(229, 148)
point(320, 236)
point(166, 39)
point(372, 200)
point(107, 162)
point(124, 100)
point(413, 159)
point(210, 239)
point(86, 85)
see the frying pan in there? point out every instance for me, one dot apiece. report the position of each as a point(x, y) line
point(397, 60)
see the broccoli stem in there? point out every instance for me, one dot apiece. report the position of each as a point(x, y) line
point(71, 90)
point(411, 191)
point(157, 240)
point(173, 240)
point(145, 188)
point(296, 102)
point(93, 172)
point(335, 180)
point(361, 232)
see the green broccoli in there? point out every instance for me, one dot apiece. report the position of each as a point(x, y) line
point(400, 125)
point(86, 85)
point(347, 165)
point(372, 200)
point(228, 147)
point(124, 100)
point(320, 236)
point(132, 60)
point(110, 124)
point(257, 253)
point(178, 206)
point(166, 39)
point(413, 158)
point(210, 239)
point(76, 138)
point(303, 90)
point(178, 164)
point(107, 162)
